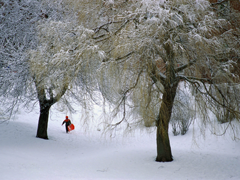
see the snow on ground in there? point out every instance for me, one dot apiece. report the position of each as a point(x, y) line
point(90, 156)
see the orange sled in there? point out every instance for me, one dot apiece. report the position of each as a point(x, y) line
point(71, 127)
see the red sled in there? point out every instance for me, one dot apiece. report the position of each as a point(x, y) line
point(71, 127)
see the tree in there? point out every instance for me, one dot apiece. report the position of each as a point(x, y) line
point(45, 56)
point(19, 20)
point(65, 52)
point(152, 46)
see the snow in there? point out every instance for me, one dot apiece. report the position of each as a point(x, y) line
point(89, 155)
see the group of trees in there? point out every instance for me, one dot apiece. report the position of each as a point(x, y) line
point(139, 54)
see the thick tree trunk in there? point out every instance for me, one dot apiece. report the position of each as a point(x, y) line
point(164, 153)
point(43, 121)
point(170, 83)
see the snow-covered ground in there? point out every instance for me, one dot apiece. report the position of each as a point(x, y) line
point(88, 155)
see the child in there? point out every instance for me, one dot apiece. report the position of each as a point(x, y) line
point(68, 122)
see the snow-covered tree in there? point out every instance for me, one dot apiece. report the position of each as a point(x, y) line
point(44, 53)
point(152, 46)
point(18, 34)
point(65, 54)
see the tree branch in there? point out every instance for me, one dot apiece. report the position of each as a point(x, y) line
point(160, 76)
point(221, 104)
point(219, 2)
point(178, 69)
point(189, 78)
point(96, 30)
point(124, 100)
point(120, 58)
point(59, 95)
point(121, 26)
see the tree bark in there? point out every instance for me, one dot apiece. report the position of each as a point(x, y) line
point(164, 153)
point(43, 121)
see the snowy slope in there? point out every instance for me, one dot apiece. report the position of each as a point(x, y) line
point(90, 156)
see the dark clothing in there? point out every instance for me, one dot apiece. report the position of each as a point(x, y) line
point(67, 122)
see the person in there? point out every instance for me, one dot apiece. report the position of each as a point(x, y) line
point(67, 123)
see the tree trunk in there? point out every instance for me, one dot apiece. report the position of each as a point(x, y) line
point(45, 105)
point(43, 121)
point(164, 153)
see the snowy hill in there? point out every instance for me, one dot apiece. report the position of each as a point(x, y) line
point(90, 156)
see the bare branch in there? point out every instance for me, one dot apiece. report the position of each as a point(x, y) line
point(178, 69)
point(120, 58)
point(96, 30)
point(221, 104)
point(122, 26)
point(123, 100)
point(189, 78)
